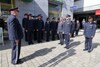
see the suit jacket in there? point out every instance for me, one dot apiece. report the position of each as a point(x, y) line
point(47, 26)
point(53, 26)
point(14, 28)
point(67, 27)
point(30, 25)
point(24, 23)
point(40, 24)
point(89, 29)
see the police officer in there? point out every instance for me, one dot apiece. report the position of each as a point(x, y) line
point(67, 30)
point(47, 29)
point(30, 29)
point(40, 28)
point(89, 33)
point(53, 27)
point(15, 35)
point(35, 28)
point(24, 24)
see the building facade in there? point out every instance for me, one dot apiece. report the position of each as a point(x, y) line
point(47, 8)
point(86, 8)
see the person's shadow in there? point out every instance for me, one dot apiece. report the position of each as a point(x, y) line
point(40, 52)
point(54, 61)
point(95, 45)
point(62, 56)
point(74, 44)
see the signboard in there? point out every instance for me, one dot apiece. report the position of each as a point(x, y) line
point(73, 7)
point(97, 12)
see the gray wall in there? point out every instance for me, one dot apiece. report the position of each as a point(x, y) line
point(35, 7)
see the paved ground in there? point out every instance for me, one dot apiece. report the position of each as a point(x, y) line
point(51, 54)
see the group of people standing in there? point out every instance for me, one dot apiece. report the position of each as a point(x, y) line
point(32, 25)
point(36, 29)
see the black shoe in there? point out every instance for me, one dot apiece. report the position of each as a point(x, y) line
point(59, 43)
point(19, 61)
point(66, 47)
point(62, 43)
point(85, 49)
point(89, 51)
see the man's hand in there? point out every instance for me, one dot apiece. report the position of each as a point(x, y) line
point(92, 36)
point(26, 30)
point(17, 41)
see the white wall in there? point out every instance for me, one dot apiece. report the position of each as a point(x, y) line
point(88, 5)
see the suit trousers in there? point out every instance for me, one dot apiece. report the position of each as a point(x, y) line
point(88, 43)
point(15, 51)
point(67, 39)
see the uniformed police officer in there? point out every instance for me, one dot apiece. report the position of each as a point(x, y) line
point(40, 28)
point(30, 29)
point(67, 30)
point(24, 24)
point(47, 29)
point(15, 35)
point(35, 28)
point(89, 33)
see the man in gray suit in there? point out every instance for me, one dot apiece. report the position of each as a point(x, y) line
point(60, 31)
point(15, 35)
point(67, 30)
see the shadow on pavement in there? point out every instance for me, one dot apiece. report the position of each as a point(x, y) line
point(62, 56)
point(95, 45)
point(56, 60)
point(40, 52)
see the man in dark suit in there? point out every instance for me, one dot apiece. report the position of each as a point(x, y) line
point(15, 35)
point(47, 29)
point(53, 28)
point(30, 29)
point(40, 28)
point(24, 24)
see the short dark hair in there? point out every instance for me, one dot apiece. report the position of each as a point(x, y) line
point(26, 14)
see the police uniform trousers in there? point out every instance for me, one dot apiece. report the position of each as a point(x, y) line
point(67, 39)
point(88, 43)
point(35, 35)
point(76, 32)
point(39, 36)
point(30, 37)
point(15, 51)
point(26, 39)
point(47, 35)
point(53, 34)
